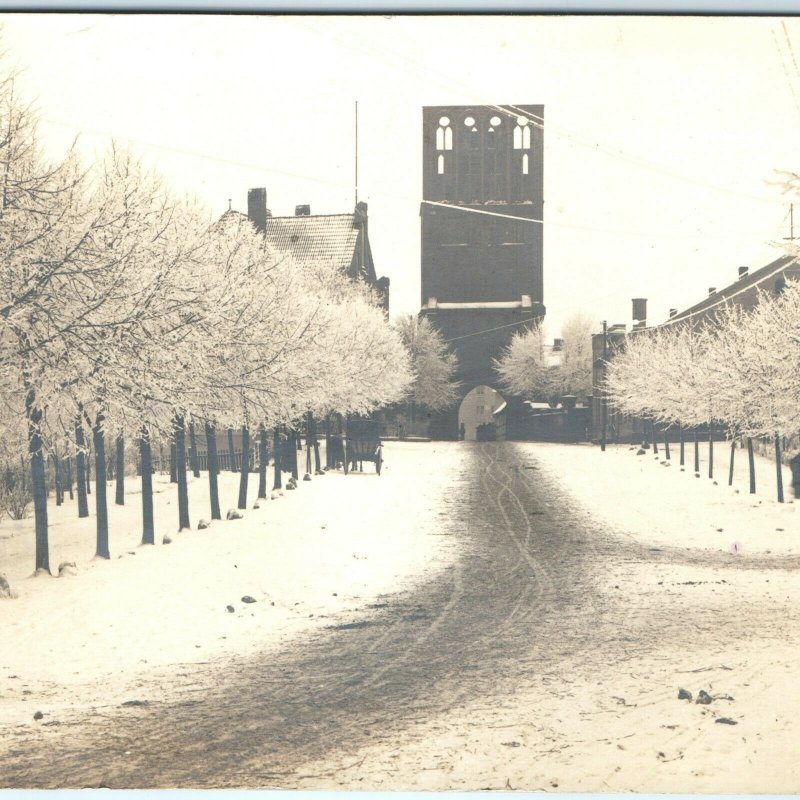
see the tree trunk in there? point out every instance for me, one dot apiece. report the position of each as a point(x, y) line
point(120, 470)
point(180, 464)
point(101, 504)
point(193, 459)
point(173, 461)
point(213, 470)
point(696, 452)
point(80, 470)
point(778, 469)
point(232, 460)
point(752, 463)
point(710, 452)
point(57, 480)
point(293, 442)
point(328, 463)
point(263, 455)
point(680, 439)
point(655, 439)
point(146, 457)
point(276, 450)
point(89, 469)
point(69, 477)
point(38, 480)
point(245, 469)
point(730, 465)
point(666, 444)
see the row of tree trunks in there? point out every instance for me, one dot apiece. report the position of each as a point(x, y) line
point(193, 459)
point(213, 470)
point(146, 459)
point(244, 473)
point(101, 506)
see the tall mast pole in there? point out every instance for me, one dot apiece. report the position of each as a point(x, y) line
point(356, 152)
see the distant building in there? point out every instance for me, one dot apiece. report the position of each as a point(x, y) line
point(745, 291)
point(481, 235)
point(340, 241)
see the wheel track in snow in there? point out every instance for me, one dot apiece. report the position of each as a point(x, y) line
point(525, 598)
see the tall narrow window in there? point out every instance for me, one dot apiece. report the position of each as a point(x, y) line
point(440, 165)
point(522, 134)
point(444, 135)
point(525, 164)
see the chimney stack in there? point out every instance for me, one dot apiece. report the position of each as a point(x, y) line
point(558, 344)
point(302, 211)
point(673, 312)
point(711, 290)
point(257, 207)
point(639, 312)
point(743, 272)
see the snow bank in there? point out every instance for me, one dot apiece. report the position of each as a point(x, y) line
point(324, 550)
point(640, 497)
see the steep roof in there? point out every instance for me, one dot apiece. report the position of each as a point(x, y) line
point(310, 240)
point(745, 290)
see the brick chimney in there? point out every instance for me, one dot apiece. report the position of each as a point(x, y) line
point(711, 290)
point(743, 272)
point(257, 207)
point(639, 312)
point(302, 211)
point(673, 312)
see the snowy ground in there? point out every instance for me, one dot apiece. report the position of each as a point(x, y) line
point(638, 496)
point(525, 615)
point(320, 552)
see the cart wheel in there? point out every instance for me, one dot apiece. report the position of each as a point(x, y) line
point(378, 462)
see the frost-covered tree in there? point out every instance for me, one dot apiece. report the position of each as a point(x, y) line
point(433, 363)
point(523, 368)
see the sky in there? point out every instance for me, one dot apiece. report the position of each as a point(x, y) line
point(663, 136)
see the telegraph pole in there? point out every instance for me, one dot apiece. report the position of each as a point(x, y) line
point(603, 400)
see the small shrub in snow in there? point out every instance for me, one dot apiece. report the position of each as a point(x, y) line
point(233, 514)
point(166, 540)
point(248, 599)
point(5, 589)
point(67, 568)
point(203, 524)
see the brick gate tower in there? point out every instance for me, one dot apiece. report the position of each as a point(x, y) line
point(481, 236)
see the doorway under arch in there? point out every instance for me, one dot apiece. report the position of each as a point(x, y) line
point(482, 415)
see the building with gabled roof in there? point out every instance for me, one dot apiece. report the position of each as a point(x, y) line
point(340, 241)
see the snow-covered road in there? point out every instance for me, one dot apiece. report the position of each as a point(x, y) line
point(529, 662)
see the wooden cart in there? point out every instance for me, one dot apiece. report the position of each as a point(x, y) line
point(363, 443)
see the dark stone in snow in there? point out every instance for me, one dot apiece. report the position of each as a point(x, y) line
point(166, 540)
point(136, 703)
point(703, 697)
point(640, 452)
point(233, 514)
point(5, 589)
point(248, 599)
point(726, 721)
point(230, 609)
point(203, 524)
point(256, 506)
point(290, 486)
point(38, 715)
point(684, 694)
point(67, 568)
point(306, 477)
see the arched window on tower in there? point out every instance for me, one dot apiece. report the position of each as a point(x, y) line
point(522, 134)
point(525, 164)
point(444, 141)
point(444, 134)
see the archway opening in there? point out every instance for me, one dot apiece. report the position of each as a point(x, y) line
point(482, 415)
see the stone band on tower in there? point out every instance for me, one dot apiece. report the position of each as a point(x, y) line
point(482, 237)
